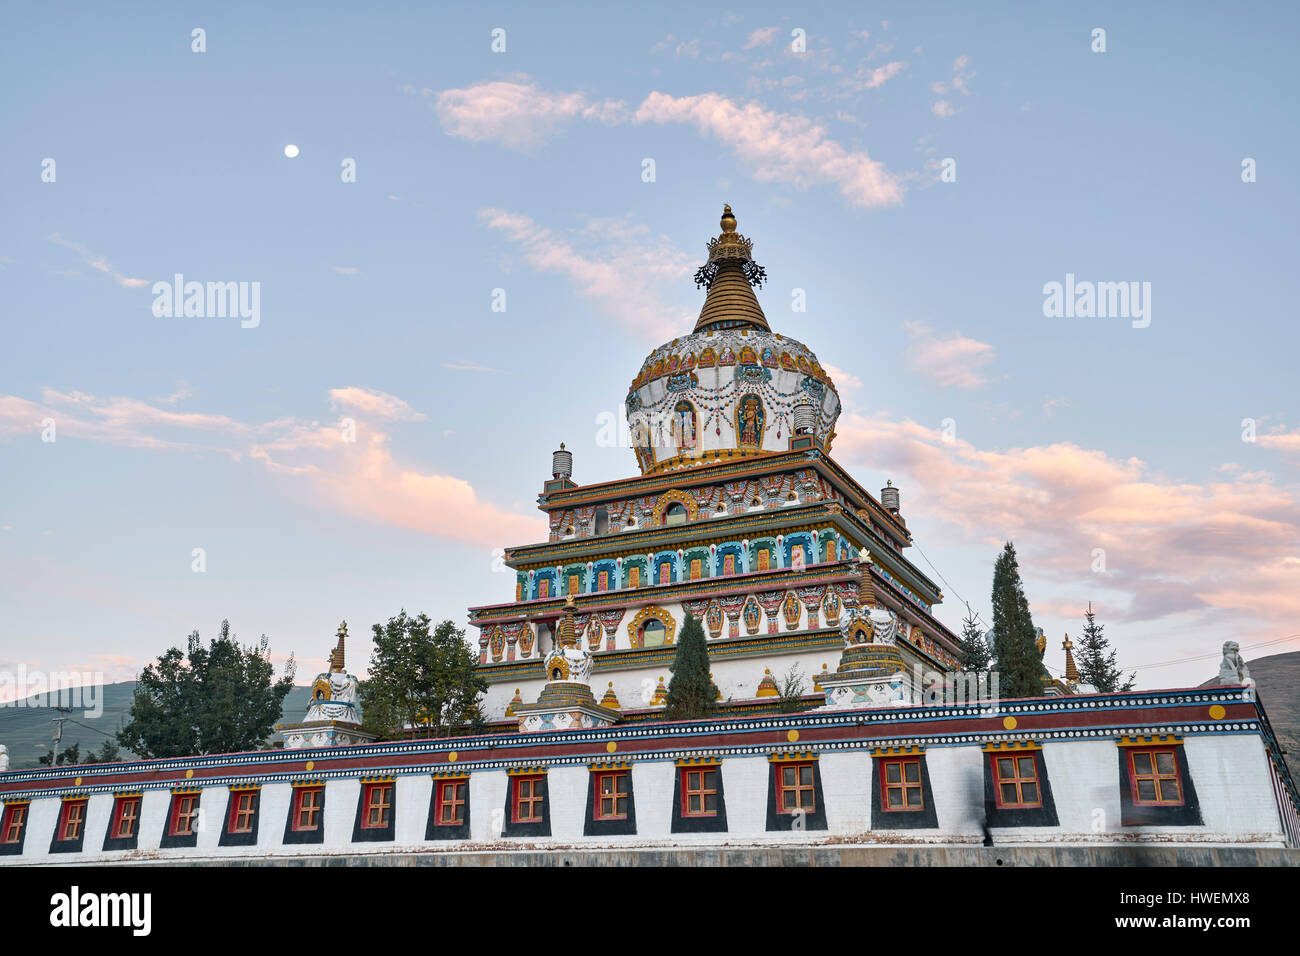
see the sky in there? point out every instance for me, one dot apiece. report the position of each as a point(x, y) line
point(493, 215)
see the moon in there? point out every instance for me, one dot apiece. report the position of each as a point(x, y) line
point(291, 151)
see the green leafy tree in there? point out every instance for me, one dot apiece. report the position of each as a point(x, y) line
point(975, 653)
point(791, 689)
point(219, 698)
point(70, 754)
point(421, 678)
point(109, 752)
point(1020, 667)
point(690, 692)
point(1096, 660)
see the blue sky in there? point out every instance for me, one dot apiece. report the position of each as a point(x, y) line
point(522, 171)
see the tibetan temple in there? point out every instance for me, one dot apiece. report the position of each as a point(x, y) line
point(824, 652)
point(740, 516)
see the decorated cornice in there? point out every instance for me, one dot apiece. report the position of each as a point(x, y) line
point(722, 648)
point(1188, 712)
point(729, 469)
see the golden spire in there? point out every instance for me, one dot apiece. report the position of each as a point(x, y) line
point(866, 590)
point(568, 633)
point(729, 276)
point(1071, 670)
point(336, 655)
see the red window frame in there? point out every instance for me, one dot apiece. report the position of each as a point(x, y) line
point(312, 809)
point(697, 782)
point(527, 802)
point(243, 810)
point(613, 788)
point(1009, 771)
point(15, 818)
point(544, 588)
point(185, 810)
point(378, 806)
point(728, 564)
point(602, 581)
point(124, 821)
point(1151, 772)
point(796, 790)
point(453, 794)
point(72, 819)
point(905, 788)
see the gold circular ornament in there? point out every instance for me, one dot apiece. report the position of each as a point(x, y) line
point(452, 757)
point(1009, 723)
point(610, 747)
point(792, 736)
point(189, 774)
point(1217, 712)
point(77, 782)
point(311, 765)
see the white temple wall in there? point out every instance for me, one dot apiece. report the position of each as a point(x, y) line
point(567, 788)
point(1233, 784)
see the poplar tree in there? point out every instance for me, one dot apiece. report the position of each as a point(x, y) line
point(691, 691)
point(1015, 638)
point(1096, 661)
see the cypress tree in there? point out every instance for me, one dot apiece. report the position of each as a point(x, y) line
point(1020, 668)
point(1096, 661)
point(691, 691)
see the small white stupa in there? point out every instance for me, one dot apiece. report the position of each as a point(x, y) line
point(334, 716)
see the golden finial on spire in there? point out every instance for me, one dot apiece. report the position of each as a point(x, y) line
point(866, 590)
point(336, 655)
point(728, 221)
point(568, 634)
point(1071, 669)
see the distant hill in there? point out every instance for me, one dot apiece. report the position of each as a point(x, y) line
point(28, 731)
point(1277, 681)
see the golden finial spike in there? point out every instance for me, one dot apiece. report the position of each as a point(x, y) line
point(728, 221)
point(866, 590)
point(337, 655)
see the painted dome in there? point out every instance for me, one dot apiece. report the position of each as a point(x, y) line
point(733, 387)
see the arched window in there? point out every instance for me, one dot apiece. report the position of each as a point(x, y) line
point(675, 514)
point(602, 521)
point(653, 633)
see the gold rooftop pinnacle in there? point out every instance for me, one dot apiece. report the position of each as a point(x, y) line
point(729, 275)
point(866, 590)
point(1071, 669)
point(568, 637)
point(336, 655)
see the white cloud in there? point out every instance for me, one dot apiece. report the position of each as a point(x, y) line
point(761, 37)
point(624, 277)
point(98, 263)
point(781, 147)
point(518, 114)
point(373, 402)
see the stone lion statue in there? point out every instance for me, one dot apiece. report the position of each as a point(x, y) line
point(1233, 670)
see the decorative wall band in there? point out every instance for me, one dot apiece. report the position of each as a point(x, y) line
point(898, 751)
point(1168, 739)
point(786, 756)
point(1009, 745)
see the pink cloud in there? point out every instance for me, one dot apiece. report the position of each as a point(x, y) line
point(1199, 549)
point(949, 360)
point(623, 277)
point(352, 467)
